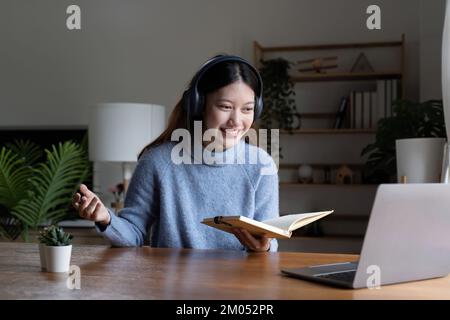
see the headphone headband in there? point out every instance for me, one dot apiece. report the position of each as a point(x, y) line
point(193, 101)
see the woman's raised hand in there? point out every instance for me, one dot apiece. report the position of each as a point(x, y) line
point(90, 207)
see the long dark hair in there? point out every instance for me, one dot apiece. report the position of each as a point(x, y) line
point(218, 76)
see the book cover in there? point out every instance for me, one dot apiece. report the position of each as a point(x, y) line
point(366, 112)
point(388, 91)
point(341, 114)
point(381, 99)
point(352, 110)
point(375, 113)
point(359, 106)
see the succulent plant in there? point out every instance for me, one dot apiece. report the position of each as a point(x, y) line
point(55, 236)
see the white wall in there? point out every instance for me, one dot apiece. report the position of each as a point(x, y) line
point(431, 26)
point(146, 51)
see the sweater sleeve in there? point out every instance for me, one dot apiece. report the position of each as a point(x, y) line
point(266, 196)
point(131, 226)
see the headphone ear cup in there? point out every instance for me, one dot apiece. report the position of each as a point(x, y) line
point(185, 102)
point(199, 107)
point(195, 105)
point(258, 108)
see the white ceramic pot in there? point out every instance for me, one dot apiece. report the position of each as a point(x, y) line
point(42, 256)
point(419, 159)
point(58, 258)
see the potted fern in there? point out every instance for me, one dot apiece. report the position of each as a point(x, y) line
point(37, 190)
point(55, 249)
point(280, 111)
point(279, 96)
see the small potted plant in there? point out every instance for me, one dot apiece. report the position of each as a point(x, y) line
point(55, 249)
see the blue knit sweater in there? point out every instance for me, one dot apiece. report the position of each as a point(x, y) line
point(166, 201)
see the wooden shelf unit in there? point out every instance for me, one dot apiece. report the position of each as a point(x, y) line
point(391, 72)
point(346, 76)
point(328, 46)
point(319, 165)
point(307, 185)
point(259, 51)
point(329, 131)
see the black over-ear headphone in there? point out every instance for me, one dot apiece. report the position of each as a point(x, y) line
point(193, 101)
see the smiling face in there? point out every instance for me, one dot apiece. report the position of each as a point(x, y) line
point(230, 110)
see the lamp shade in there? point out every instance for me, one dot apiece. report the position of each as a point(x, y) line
point(119, 130)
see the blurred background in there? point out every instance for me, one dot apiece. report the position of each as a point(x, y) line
point(344, 78)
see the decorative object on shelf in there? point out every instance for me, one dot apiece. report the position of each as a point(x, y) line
point(409, 120)
point(280, 111)
point(344, 175)
point(327, 175)
point(55, 248)
point(34, 191)
point(318, 64)
point(118, 192)
point(117, 206)
point(419, 160)
point(305, 173)
point(118, 131)
point(362, 64)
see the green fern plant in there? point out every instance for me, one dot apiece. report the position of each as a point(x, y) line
point(27, 150)
point(33, 193)
point(14, 184)
point(280, 111)
point(279, 96)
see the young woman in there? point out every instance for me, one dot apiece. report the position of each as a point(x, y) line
point(167, 200)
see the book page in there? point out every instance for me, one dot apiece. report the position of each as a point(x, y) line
point(291, 221)
point(254, 227)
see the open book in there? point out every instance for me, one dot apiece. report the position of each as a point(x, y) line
point(280, 227)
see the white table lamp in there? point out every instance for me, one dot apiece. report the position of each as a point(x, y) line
point(119, 130)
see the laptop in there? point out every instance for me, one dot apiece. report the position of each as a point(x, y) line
point(407, 239)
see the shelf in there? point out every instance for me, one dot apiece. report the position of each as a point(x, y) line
point(330, 46)
point(317, 115)
point(298, 184)
point(347, 217)
point(259, 51)
point(320, 165)
point(330, 237)
point(348, 244)
point(328, 131)
point(346, 76)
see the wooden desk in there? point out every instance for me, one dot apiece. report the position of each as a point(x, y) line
point(149, 273)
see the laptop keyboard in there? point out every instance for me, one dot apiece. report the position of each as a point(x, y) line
point(346, 276)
